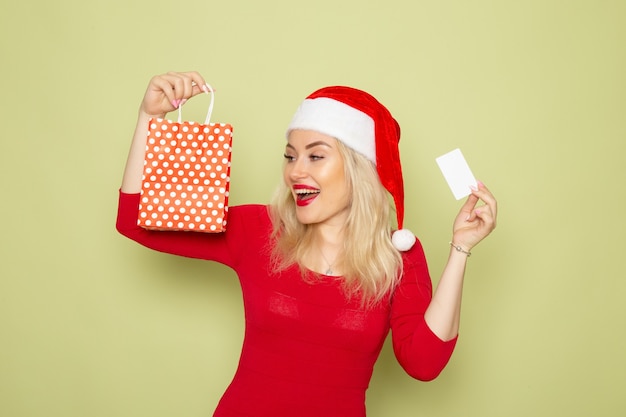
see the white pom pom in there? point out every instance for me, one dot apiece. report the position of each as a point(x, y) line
point(403, 239)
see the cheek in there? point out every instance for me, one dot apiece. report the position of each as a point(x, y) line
point(340, 175)
point(286, 174)
point(339, 180)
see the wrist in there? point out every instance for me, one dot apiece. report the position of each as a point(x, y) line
point(460, 249)
point(144, 115)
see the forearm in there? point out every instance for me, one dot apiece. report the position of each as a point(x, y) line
point(444, 311)
point(472, 224)
point(131, 181)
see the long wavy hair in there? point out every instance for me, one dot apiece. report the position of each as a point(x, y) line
point(371, 265)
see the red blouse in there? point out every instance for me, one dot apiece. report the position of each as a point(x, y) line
point(307, 351)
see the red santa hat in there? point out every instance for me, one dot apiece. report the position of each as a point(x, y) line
point(362, 123)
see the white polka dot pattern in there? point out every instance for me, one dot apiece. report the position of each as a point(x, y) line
point(186, 176)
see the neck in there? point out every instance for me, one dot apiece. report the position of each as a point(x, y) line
point(328, 254)
point(328, 236)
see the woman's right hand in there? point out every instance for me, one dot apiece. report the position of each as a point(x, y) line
point(166, 92)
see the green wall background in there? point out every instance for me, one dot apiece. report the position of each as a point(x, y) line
point(533, 92)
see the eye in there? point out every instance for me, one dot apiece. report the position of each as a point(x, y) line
point(289, 158)
point(316, 157)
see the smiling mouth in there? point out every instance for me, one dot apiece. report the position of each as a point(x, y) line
point(305, 194)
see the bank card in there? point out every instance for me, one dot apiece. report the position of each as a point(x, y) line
point(457, 173)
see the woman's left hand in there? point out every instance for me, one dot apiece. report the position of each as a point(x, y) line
point(474, 223)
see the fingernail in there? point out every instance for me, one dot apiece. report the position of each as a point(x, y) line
point(480, 183)
point(473, 188)
point(183, 101)
point(175, 103)
point(205, 88)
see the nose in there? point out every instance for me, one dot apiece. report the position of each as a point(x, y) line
point(296, 170)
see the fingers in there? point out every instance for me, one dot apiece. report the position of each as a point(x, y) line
point(484, 194)
point(469, 205)
point(169, 91)
point(475, 221)
point(488, 212)
point(491, 205)
point(184, 85)
point(487, 216)
point(162, 88)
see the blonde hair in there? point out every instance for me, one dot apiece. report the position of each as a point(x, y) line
point(370, 264)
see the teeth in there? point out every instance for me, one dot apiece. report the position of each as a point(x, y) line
point(306, 191)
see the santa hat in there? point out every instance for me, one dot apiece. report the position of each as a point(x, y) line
point(360, 122)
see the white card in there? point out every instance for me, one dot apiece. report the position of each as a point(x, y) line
point(457, 173)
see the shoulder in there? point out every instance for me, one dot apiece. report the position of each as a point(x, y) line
point(415, 275)
point(415, 256)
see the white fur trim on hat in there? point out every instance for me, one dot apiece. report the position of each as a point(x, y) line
point(334, 118)
point(403, 239)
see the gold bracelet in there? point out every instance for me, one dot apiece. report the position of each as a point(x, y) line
point(460, 249)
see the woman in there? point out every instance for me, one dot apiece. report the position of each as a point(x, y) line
point(323, 277)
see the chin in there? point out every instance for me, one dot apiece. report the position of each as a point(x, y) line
point(304, 218)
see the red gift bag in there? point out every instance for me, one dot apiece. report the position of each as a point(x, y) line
point(186, 175)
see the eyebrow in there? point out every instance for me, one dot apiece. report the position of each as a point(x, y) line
point(311, 145)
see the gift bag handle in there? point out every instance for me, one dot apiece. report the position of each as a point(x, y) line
point(208, 115)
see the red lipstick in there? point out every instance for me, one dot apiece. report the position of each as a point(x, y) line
point(305, 194)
